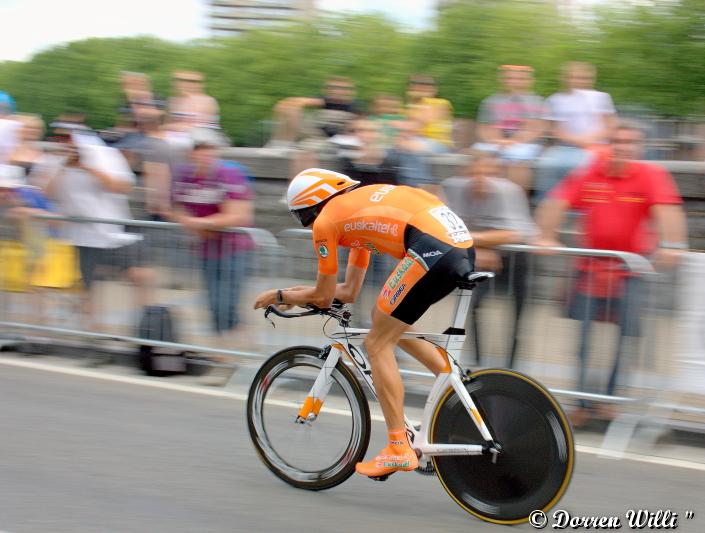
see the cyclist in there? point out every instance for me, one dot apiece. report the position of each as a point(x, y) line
point(435, 250)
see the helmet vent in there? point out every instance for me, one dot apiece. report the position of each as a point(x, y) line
point(341, 183)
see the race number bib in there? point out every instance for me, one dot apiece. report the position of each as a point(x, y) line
point(457, 231)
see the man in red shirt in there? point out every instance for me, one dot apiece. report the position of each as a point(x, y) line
point(619, 197)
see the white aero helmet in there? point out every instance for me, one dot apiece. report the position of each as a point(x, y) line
point(311, 188)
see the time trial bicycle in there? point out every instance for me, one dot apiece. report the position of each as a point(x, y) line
point(498, 441)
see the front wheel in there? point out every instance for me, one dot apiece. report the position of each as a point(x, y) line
point(313, 455)
point(535, 465)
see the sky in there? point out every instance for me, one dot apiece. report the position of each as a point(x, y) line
point(30, 26)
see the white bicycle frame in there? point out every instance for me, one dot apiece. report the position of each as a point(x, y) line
point(452, 376)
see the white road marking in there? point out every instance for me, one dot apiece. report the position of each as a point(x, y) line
point(159, 384)
point(651, 459)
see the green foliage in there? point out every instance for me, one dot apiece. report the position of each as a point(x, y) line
point(652, 56)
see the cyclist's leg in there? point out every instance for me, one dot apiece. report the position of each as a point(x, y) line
point(379, 344)
point(425, 353)
point(410, 290)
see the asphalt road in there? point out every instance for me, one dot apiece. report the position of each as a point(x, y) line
point(79, 454)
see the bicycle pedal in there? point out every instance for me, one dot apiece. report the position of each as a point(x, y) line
point(380, 478)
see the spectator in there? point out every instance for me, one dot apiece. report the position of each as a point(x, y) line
point(37, 165)
point(435, 115)
point(387, 112)
point(9, 127)
point(511, 122)
point(496, 211)
point(138, 101)
point(75, 122)
point(18, 204)
point(191, 105)
point(211, 195)
point(581, 121)
point(336, 109)
point(618, 196)
point(365, 158)
point(406, 156)
point(137, 93)
point(94, 182)
point(157, 160)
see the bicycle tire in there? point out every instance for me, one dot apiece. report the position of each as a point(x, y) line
point(536, 463)
point(344, 467)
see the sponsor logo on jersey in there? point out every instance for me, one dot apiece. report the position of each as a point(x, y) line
point(397, 293)
point(371, 247)
point(403, 267)
point(434, 253)
point(381, 193)
point(372, 225)
point(323, 251)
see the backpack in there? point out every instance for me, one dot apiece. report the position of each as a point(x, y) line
point(157, 324)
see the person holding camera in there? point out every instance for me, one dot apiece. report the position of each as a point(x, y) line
point(94, 182)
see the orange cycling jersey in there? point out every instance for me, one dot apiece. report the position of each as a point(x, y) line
point(374, 219)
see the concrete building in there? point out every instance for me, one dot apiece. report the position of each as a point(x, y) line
point(232, 17)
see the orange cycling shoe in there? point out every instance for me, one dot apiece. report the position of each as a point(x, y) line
point(397, 455)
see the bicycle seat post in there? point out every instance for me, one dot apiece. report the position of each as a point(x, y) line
point(456, 333)
point(462, 307)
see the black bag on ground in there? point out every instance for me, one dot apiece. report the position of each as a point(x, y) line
point(157, 324)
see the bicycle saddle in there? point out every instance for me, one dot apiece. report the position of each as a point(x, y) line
point(470, 280)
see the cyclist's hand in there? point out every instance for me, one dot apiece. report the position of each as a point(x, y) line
point(265, 298)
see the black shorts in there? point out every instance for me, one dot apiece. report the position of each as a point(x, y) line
point(427, 273)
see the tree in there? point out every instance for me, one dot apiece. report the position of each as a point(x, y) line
point(651, 55)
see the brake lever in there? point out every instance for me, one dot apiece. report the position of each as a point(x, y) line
point(267, 312)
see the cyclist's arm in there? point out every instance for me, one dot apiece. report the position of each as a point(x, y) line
point(346, 292)
point(358, 261)
point(349, 290)
point(321, 295)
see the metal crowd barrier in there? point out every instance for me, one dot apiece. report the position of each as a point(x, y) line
point(538, 335)
point(50, 305)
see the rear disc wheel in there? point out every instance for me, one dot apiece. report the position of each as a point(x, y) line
point(536, 461)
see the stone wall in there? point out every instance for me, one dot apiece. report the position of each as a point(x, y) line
point(271, 170)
